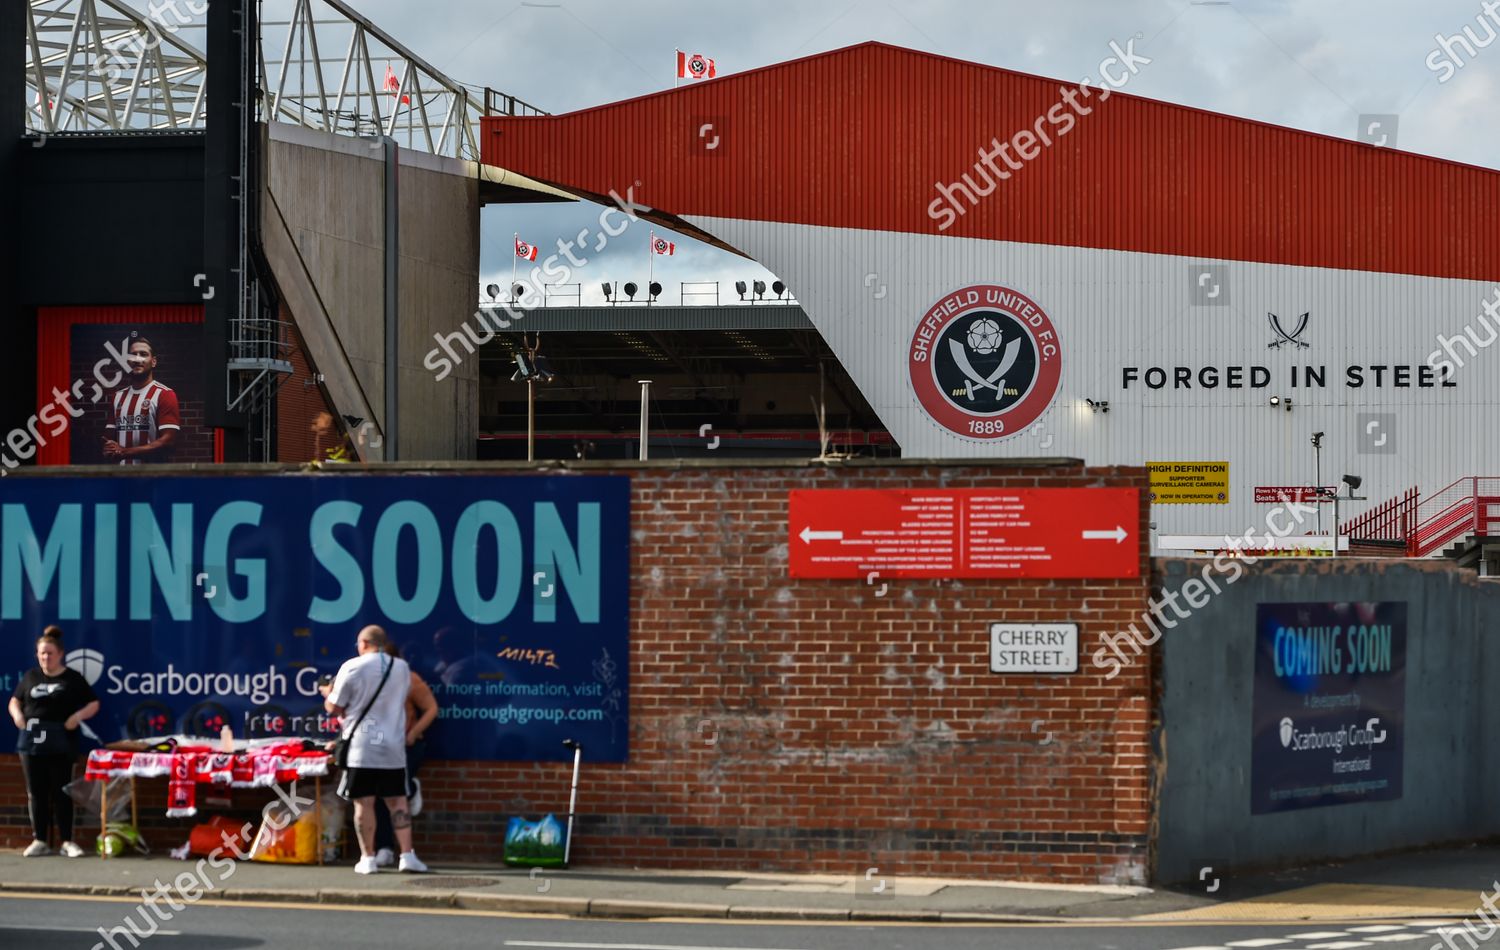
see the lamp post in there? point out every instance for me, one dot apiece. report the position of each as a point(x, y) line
point(645, 418)
point(531, 418)
point(1317, 444)
point(1353, 482)
point(531, 369)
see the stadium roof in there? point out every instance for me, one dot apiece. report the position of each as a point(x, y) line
point(863, 137)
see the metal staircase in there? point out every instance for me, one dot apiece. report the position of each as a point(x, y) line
point(1461, 520)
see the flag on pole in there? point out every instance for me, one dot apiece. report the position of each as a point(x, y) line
point(695, 66)
point(662, 245)
point(393, 84)
point(525, 251)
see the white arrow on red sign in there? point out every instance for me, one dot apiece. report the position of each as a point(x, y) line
point(1118, 535)
point(808, 535)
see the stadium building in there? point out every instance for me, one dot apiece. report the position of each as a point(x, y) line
point(1169, 286)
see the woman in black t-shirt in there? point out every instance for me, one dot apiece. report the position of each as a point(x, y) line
point(49, 704)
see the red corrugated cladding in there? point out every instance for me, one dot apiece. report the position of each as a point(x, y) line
point(859, 138)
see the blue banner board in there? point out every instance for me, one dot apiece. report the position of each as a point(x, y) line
point(1329, 704)
point(195, 602)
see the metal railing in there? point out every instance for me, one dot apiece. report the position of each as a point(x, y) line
point(1468, 507)
point(1391, 520)
point(109, 66)
point(327, 67)
point(691, 293)
point(704, 293)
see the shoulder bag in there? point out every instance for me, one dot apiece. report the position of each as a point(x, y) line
point(341, 747)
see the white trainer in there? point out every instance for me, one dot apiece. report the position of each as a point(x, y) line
point(36, 849)
point(71, 850)
point(384, 858)
point(412, 864)
point(366, 866)
point(414, 800)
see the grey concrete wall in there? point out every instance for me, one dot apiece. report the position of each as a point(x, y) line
point(1207, 669)
point(329, 194)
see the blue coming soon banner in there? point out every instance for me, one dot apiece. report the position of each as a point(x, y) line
point(192, 603)
point(1329, 704)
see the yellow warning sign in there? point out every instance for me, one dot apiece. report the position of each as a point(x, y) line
point(1189, 483)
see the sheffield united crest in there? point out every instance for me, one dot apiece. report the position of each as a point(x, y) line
point(985, 362)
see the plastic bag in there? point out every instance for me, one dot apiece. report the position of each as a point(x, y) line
point(86, 793)
point(209, 838)
point(333, 810)
point(288, 837)
point(537, 844)
point(119, 839)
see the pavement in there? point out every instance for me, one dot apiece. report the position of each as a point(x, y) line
point(1444, 884)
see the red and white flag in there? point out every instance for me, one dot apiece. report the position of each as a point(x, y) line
point(393, 84)
point(525, 251)
point(662, 245)
point(695, 66)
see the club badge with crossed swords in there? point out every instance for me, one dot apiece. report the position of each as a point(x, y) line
point(1285, 336)
point(976, 380)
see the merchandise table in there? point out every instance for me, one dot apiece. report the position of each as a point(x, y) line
point(186, 765)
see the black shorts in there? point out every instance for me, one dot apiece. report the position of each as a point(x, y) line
point(372, 783)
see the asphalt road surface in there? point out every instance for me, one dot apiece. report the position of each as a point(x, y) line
point(46, 923)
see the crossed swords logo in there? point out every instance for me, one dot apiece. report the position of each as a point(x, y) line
point(973, 379)
point(1286, 337)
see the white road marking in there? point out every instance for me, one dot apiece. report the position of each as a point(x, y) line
point(1201, 948)
point(1259, 942)
point(1319, 935)
point(1339, 945)
point(73, 930)
point(562, 945)
point(1376, 929)
point(1396, 938)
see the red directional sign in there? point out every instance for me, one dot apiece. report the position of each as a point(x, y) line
point(965, 532)
point(1291, 494)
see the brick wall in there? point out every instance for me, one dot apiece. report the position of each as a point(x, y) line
point(812, 725)
point(305, 425)
point(1362, 548)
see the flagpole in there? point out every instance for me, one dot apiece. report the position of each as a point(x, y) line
point(677, 81)
point(650, 266)
point(513, 256)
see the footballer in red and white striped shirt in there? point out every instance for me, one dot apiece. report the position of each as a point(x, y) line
point(145, 419)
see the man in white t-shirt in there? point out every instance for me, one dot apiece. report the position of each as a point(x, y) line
point(377, 748)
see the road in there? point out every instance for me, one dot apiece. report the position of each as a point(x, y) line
point(56, 923)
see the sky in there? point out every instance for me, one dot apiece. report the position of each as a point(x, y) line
point(1316, 65)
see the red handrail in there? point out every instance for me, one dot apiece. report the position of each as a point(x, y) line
point(1468, 506)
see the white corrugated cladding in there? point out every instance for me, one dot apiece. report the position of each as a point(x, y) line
point(867, 291)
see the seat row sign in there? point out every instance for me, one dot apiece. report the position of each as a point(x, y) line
point(965, 532)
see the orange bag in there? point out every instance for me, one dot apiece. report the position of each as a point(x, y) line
point(205, 839)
